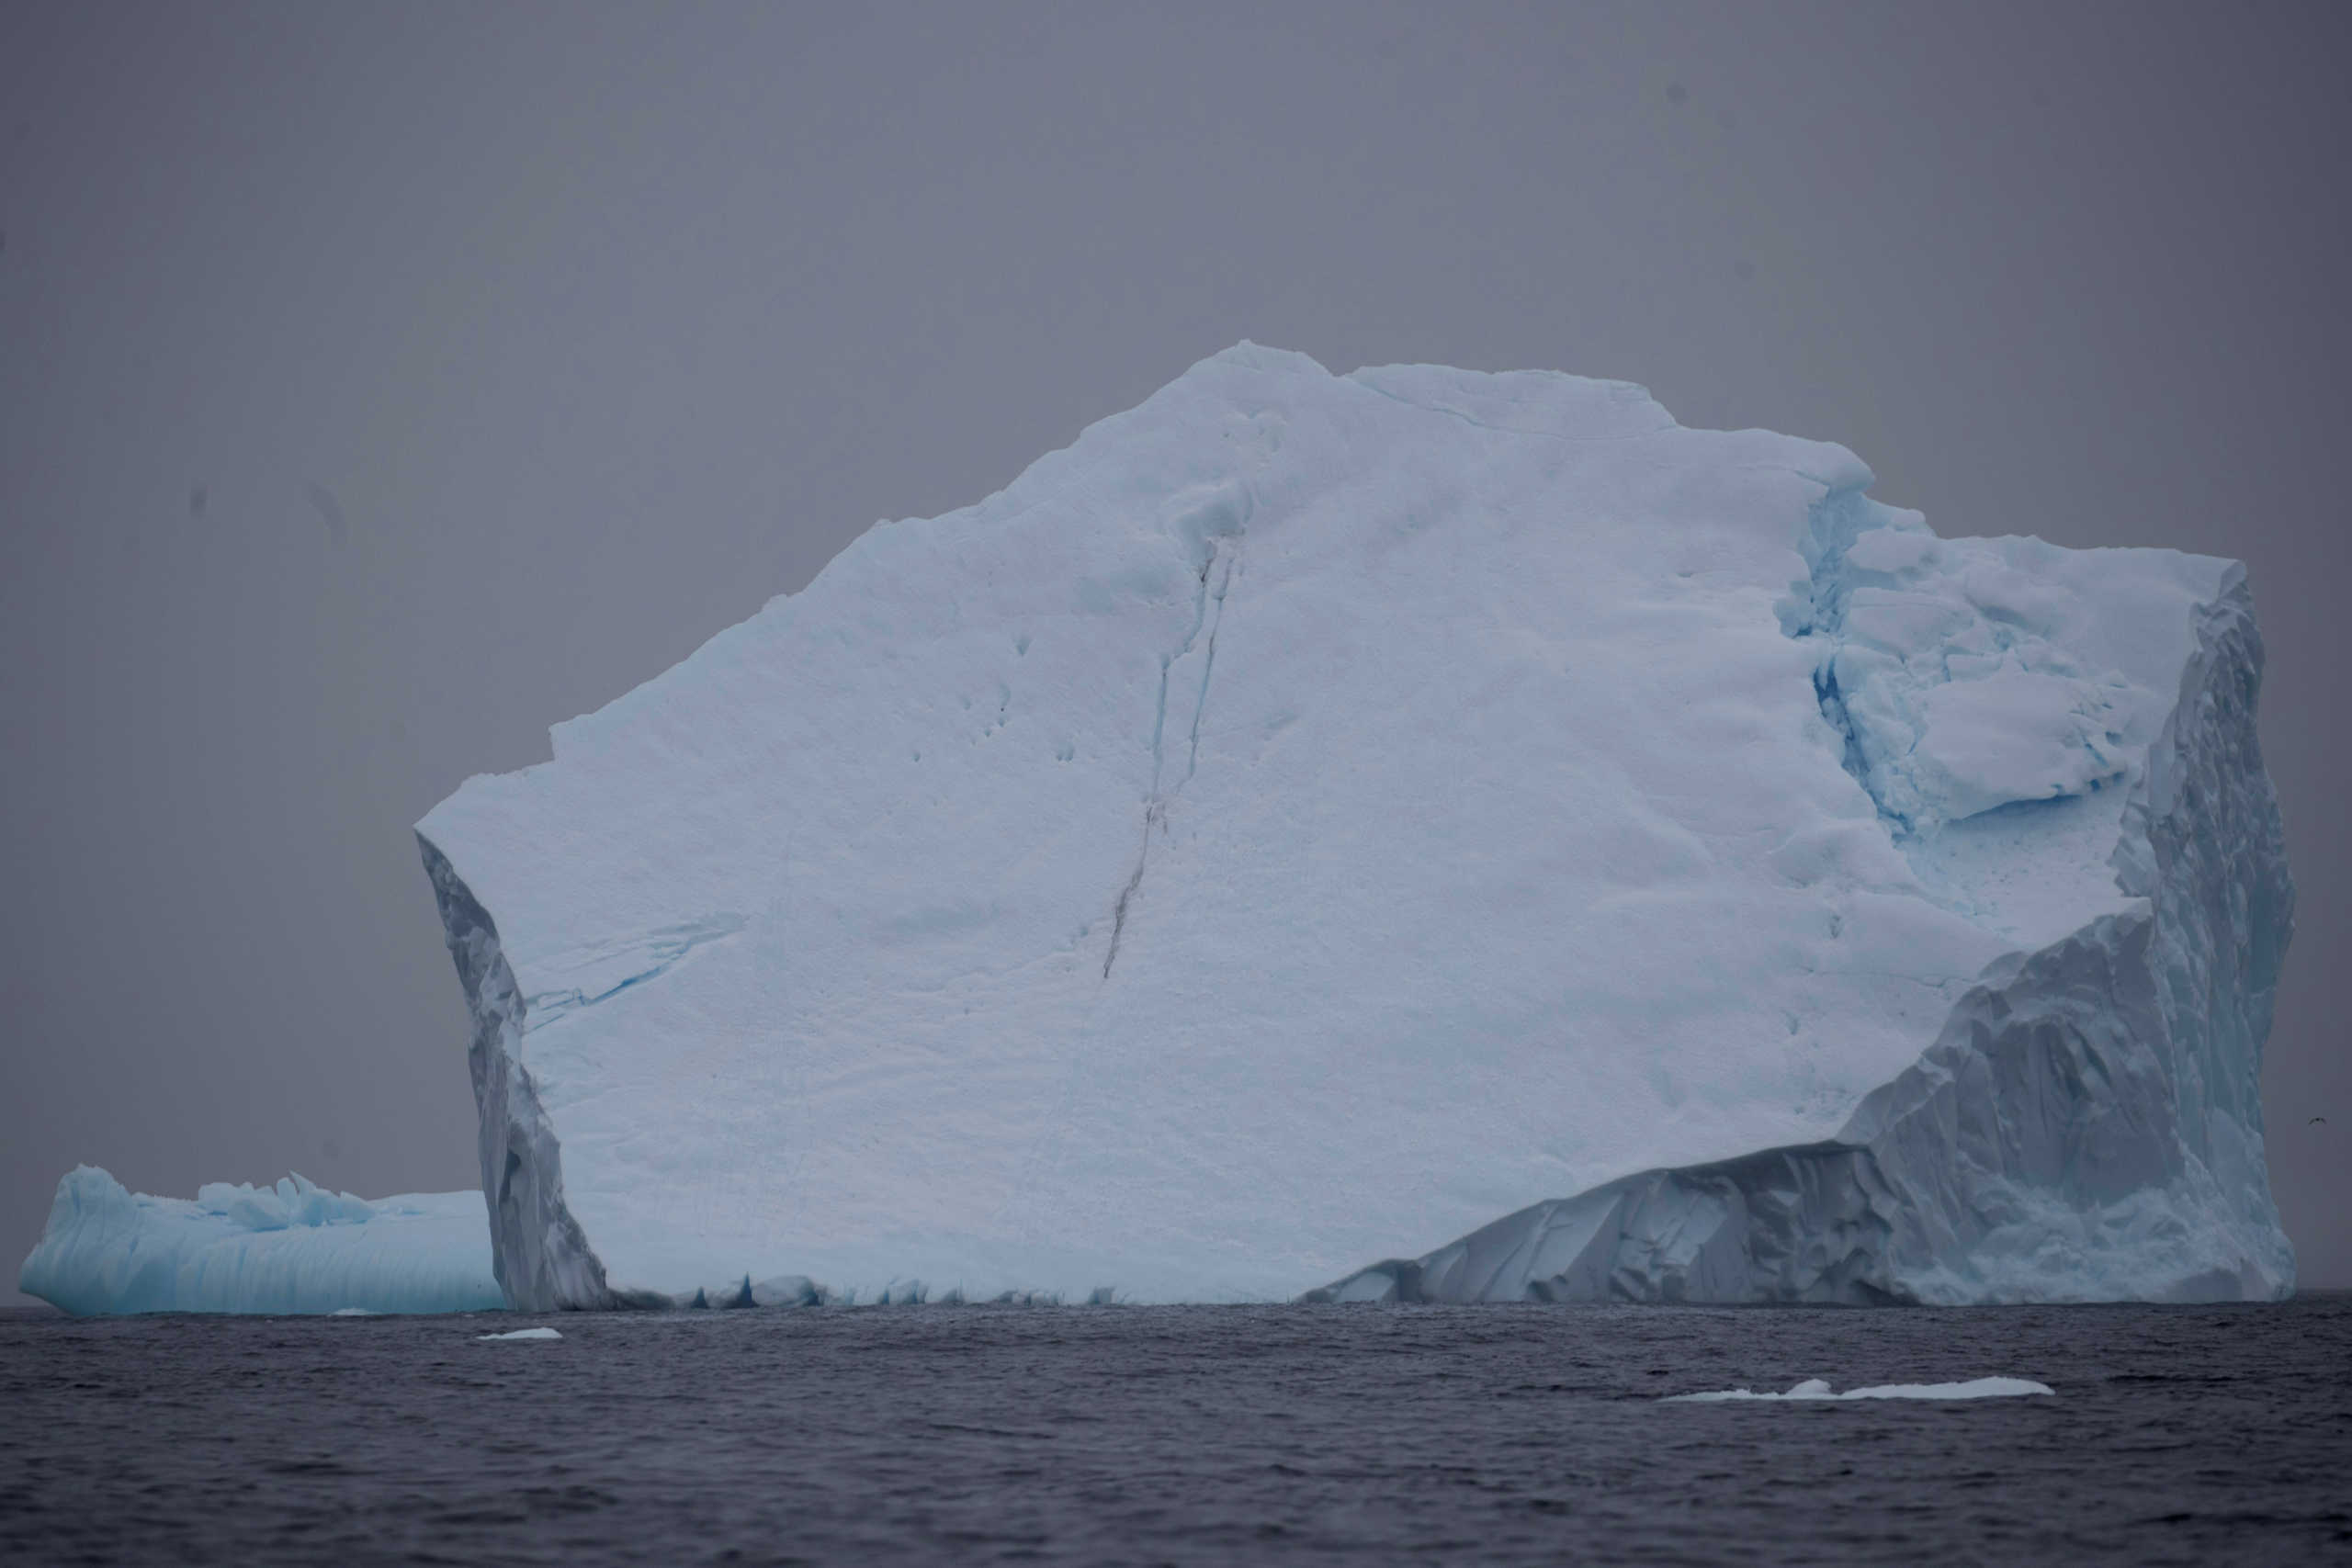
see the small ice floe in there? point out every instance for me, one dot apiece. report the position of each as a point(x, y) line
point(527, 1333)
point(1814, 1388)
point(354, 1312)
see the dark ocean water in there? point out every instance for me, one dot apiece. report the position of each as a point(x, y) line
point(1530, 1434)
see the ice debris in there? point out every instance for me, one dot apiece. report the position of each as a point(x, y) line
point(1816, 1389)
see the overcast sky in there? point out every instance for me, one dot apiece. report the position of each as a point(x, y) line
point(380, 384)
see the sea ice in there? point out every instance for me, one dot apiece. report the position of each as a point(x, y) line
point(1312, 816)
point(524, 1334)
point(295, 1247)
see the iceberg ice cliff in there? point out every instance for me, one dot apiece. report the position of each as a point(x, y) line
point(294, 1248)
point(1312, 816)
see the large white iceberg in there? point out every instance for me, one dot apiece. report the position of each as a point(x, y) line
point(293, 1247)
point(1313, 816)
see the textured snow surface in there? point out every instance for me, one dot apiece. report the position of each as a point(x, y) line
point(294, 1248)
point(1312, 816)
point(1814, 1388)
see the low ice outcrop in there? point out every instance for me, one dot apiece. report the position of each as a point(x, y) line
point(1817, 1389)
point(294, 1248)
point(1314, 815)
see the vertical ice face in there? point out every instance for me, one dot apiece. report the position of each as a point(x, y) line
point(537, 1254)
point(1312, 816)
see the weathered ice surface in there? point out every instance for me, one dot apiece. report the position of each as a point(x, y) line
point(2087, 1125)
point(293, 1247)
point(1311, 816)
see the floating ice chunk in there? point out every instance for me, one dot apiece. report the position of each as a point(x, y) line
point(1814, 1388)
point(292, 1247)
point(524, 1334)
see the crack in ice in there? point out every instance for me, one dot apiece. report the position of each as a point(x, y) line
point(1220, 564)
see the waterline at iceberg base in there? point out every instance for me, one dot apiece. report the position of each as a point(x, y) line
point(1312, 816)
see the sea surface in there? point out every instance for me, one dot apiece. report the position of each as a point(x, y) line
point(1209, 1434)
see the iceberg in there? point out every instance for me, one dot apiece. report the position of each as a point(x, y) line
point(295, 1247)
point(1312, 816)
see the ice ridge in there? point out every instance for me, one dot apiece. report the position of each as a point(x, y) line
point(1819, 1389)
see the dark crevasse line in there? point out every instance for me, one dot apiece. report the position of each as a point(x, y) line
point(1208, 664)
point(547, 1006)
point(1832, 524)
point(539, 1255)
point(1833, 708)
point(1169, 661)
point(1219, 565)
point(1126, 894)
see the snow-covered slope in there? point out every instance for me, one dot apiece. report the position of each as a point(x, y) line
point(1312, 816)
point(294, 1248)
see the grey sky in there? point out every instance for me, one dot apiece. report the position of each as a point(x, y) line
point(382, 384)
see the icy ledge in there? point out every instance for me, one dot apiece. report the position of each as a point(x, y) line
point(295, 1247)
point(2086, 1125)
